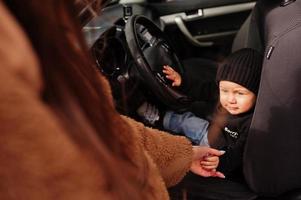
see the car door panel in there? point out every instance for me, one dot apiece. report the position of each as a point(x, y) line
point(170, 7)
point(202, 23)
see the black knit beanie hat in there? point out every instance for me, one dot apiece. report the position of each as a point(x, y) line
point(242, 67)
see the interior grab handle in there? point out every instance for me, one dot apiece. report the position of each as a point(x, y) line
point(180, 23)
point(197, 15)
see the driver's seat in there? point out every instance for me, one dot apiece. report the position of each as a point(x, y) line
point(272, 164)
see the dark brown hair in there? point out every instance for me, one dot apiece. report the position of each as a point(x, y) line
point(72, 87)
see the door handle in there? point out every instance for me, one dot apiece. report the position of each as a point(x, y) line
point(181, 25)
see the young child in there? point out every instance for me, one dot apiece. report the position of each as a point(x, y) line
point(238, 79)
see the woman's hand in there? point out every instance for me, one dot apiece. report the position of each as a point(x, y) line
point(205, 161)
point(172, 75)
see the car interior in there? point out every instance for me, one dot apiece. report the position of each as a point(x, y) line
point(192, 32)
point(131, 40)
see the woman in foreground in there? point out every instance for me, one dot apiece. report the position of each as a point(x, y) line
point(59, 133)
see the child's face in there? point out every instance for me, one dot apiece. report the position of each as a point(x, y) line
point(235, 98)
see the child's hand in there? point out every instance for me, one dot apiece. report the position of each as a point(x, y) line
point(172, 75)
point(210, 162)
point(202, 154)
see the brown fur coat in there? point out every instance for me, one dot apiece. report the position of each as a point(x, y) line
point(37, 158)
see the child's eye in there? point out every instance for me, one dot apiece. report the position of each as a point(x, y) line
point(223, 90)
point(240, 93)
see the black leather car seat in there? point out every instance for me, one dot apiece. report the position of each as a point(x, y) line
point(272, 164)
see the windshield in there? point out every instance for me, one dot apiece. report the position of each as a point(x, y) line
point(88, 9)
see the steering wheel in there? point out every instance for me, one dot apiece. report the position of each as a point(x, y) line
point(151, 50)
